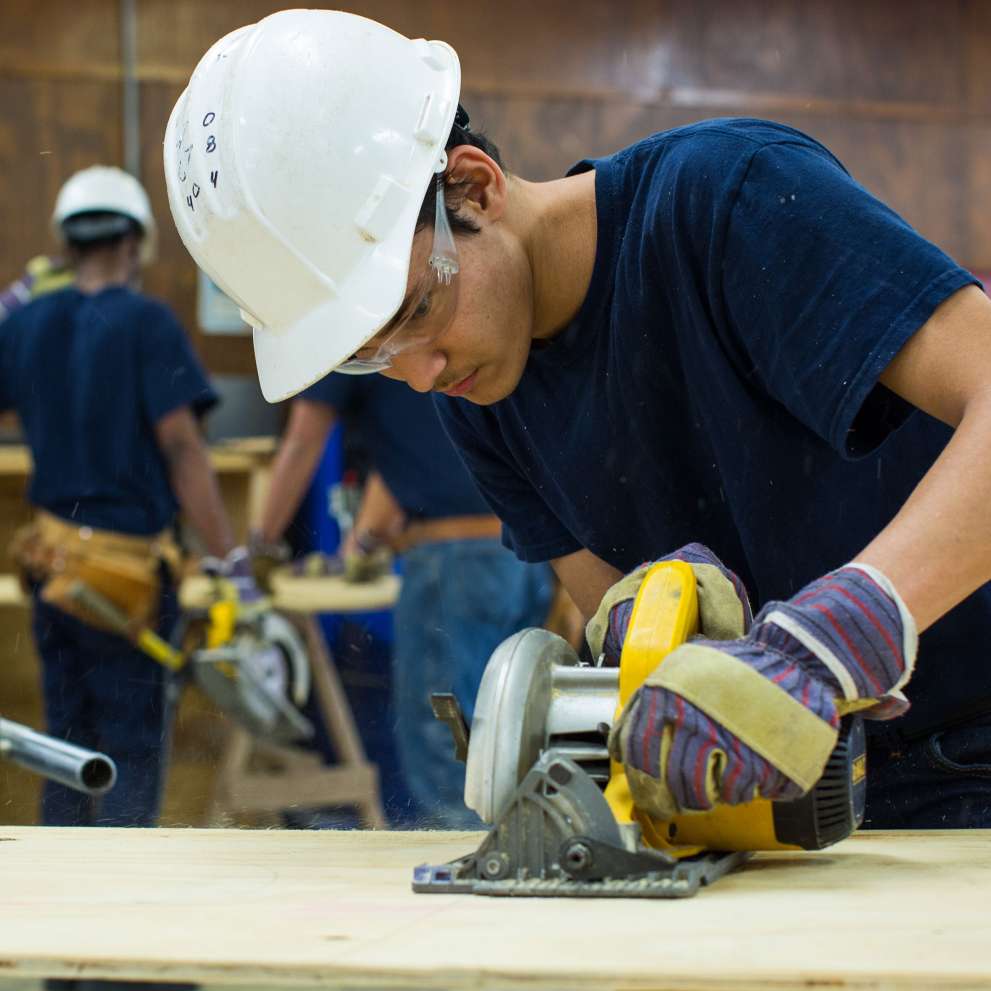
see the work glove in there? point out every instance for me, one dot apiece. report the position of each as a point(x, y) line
point(266, 556)
point(236, 568)
point(366, 557)
point(362, 558)
point(726, 721)
point(724, 608)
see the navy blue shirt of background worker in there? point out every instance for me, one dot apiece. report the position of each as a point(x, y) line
point(89, 376)
point(720, 384)
point(408, 445)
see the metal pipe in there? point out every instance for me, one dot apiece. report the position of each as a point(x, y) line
point(75, 767)
point(131, 94)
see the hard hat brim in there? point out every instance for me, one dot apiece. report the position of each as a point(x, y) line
point(290, 359)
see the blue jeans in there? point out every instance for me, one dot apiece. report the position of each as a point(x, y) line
point(460, 599)
point(941, 781)
point(101, 692)
point(364, 664)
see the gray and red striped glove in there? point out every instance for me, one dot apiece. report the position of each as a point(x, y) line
point(725, 721)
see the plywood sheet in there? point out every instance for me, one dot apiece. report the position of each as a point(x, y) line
point(895, 910)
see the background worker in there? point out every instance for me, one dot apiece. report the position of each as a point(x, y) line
point(715, 334)
point(108, 393)
point(462, 591)
point(41, 275)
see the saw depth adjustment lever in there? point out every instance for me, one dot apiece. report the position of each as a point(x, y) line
point(447, 709)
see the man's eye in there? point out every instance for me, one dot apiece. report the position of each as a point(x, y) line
point(422, 308)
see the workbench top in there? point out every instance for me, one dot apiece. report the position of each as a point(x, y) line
point(272, 908)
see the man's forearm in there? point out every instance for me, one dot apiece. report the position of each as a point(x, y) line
point(292, 471)
point(937, 550)
point(379, 514)
point(196, 489)
point(291, 474)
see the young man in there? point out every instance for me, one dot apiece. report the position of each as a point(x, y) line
point(462, 594)
point(714, 335)
point(108, 393)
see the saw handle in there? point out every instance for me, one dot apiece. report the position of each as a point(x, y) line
point(144, 638)
point(665, 615)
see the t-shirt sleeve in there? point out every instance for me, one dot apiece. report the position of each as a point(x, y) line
point(171, 374)
point(529, 528)
point(822, 286)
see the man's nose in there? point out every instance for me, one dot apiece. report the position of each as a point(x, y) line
point(418, 369)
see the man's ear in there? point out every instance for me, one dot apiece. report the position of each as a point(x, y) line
point(479, 183)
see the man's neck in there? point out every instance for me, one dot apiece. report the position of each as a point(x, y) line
point(101, 272)
point(560, 241)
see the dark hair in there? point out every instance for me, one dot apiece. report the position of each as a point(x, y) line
point(95, 230)
point(461, 134)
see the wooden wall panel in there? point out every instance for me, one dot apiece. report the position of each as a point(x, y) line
point(975, 53)
point(854, 50)
point(60, 38)
point(977, 189)
point(563, 46)
point(900, 89)
point(49, 128)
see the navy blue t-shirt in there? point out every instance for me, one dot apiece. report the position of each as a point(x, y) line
point(407, 444)
point(720, 381)
point(89, 377)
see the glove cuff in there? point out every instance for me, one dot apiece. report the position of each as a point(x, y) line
point(850, 628)
point(910, 629)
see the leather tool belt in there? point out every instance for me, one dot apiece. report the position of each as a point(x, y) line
point(58, 555)
point(447, 528)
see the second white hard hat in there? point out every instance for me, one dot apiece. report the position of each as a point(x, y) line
point(106, 189)
point(296, 161)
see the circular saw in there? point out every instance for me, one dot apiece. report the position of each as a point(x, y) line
point(563, 820)
point(255, 668)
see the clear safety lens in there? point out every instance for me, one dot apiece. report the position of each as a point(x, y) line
point(428, 308)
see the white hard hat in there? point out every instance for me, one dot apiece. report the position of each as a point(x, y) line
point(106, 189)
point(296, 161)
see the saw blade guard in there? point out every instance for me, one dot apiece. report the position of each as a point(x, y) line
point(536, 695)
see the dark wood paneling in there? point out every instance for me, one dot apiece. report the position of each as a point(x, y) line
point(60, 37)
point(901, 91)
point(872, 50)
point(49, 128)
point(975, 53)
point(579, 46)
point(977, 189)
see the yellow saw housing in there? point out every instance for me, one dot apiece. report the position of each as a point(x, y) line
point(666, 615)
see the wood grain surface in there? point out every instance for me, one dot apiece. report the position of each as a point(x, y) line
point(881, 910)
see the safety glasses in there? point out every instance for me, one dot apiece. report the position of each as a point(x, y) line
point(428, 308)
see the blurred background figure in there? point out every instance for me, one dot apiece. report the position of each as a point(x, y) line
point(42, 274)
point(108, 393)
point(462, 591)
